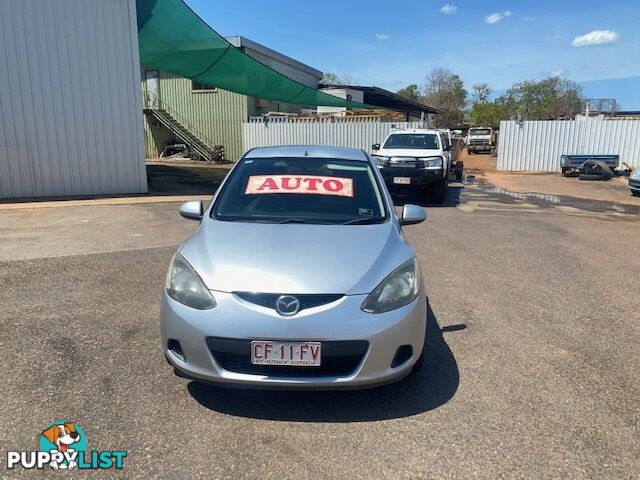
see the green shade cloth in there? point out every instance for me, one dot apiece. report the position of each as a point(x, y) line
point(173, 38)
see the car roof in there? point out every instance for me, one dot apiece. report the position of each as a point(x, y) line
point(310, 151)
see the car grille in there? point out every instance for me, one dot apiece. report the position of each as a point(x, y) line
point(403, 162)
point(268, 300)
point(479, 142)
point(338, 359)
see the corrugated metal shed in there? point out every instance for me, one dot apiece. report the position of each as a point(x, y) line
point(340, 134)
point(537, 146)
point(70, 119)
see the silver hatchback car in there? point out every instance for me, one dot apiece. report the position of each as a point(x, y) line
point(298, 276)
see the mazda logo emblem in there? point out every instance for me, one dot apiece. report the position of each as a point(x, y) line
point(287, 305)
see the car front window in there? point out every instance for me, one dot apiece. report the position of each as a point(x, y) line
point(480, 131)
point(427, 141)
point(301, 190)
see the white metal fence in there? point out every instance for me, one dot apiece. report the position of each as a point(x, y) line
point(340, 134)
point(537, 146)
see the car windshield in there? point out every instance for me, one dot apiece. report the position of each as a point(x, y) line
point(412, 140)
point(479, 131)
point(301, 190)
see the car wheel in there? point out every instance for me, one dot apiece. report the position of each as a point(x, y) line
point(635, 194)
point(439, 191)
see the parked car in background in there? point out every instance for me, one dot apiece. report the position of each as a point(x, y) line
point(454, 144)
point(298, 276)
point(416, 160)
point(634, 182)
point(480, 139)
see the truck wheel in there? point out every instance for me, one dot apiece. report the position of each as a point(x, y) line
point(438, 191)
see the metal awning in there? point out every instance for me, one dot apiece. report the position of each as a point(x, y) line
point(386, 99)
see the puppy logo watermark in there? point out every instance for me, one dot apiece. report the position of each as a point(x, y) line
point(63, 446)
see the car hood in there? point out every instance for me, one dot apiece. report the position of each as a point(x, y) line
point(295, 258)
point(407, 152)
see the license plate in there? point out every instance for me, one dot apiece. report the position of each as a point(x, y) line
point(301, 354)
point(402, 180)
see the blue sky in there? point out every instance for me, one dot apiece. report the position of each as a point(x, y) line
point(392, 44)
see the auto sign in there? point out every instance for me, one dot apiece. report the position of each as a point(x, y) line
point(305, 184)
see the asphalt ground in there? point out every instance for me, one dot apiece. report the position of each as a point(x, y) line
point(532, 365)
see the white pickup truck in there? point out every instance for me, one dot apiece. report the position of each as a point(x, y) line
point(415, 160)
point(479, 139)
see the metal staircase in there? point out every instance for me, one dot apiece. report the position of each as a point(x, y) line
point(197, 142)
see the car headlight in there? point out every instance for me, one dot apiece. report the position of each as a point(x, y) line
point(431, 162)
point(635, 175)
point(185, 286)
point(380, 161)
point(397, 290)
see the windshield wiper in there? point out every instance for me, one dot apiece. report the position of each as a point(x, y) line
point(364, 221)
point(293, 220)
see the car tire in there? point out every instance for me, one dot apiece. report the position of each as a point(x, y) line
point(438, 191)
point(178, 373)
point(586, 176)
point(635, 194)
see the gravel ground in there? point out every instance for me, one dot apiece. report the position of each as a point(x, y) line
point(532, 367)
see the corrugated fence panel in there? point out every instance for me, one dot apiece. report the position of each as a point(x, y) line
point(537, 146)
point(339, 134)
point(70, 102)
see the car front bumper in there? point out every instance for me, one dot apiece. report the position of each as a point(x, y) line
point(419, 177)
point(236, 322)
point(634, 185)
point(484, 147)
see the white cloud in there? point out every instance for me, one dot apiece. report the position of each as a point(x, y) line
point(528, 19)
point(596, 37)
point(496, 17)
point(449, 9)
point(382, 36)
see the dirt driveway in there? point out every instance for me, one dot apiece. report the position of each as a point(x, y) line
point(614, 191)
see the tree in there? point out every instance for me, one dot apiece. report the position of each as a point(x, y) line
point(481, 93)
point(445, 91)
point(547, 99)
point(484, 112)
point(411, 92)
point(488, 114)
point(330, 78)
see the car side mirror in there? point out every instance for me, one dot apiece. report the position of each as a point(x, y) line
point(375, 146)
point(192, 210)
point(412, 214)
